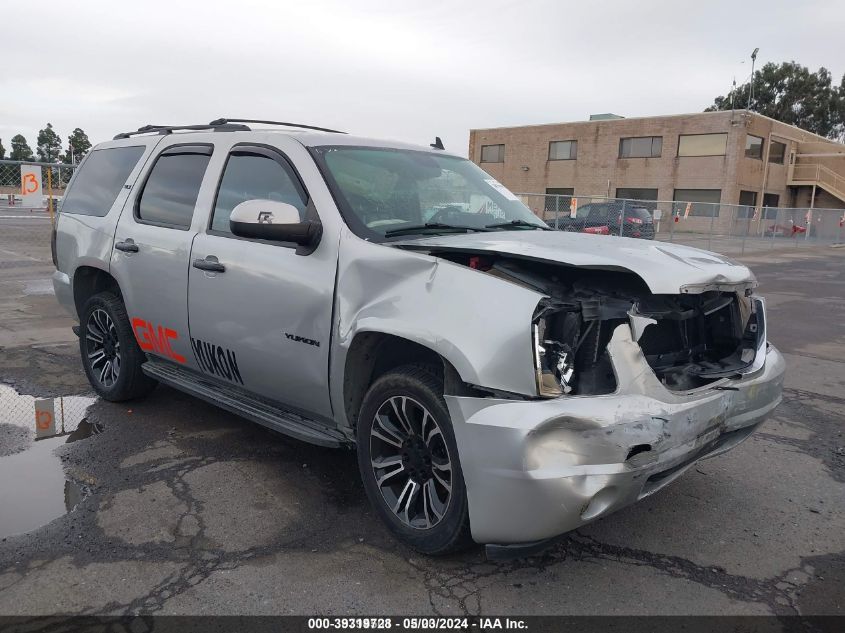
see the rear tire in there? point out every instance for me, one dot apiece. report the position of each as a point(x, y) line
point(110, 354)
point(409, 461)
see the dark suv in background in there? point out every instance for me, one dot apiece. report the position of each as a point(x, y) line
point(605, 218)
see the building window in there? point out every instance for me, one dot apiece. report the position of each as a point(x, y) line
point(771, 200)
point(753, 146)
point(777, 152)
point(747, 203)
point(702, 144)
point(770, 205)
point(563, 150)
point(636, 193)
point(705, 202)
point(492, 153)
point(748, 198)
point(558, 198)
point(641, 147)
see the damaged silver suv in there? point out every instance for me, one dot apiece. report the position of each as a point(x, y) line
point(501, 382)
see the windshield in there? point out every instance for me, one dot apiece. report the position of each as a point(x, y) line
point(387, 192)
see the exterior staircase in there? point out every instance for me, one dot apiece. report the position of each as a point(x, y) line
point(815, 174)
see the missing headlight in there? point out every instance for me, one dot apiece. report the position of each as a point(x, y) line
point(570, 347)
point(555, 336)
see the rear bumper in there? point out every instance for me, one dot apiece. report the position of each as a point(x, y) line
point(536, 469)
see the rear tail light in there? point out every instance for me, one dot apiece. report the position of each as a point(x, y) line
point(53, 244)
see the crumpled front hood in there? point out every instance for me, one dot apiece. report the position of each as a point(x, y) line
point(665, 268)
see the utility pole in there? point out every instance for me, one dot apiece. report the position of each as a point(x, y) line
point(751, 83)
point(733, 95)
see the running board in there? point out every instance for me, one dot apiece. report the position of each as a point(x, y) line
point(245, 405)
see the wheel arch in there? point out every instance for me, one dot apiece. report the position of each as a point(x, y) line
point(90, 280)
point(372, 354)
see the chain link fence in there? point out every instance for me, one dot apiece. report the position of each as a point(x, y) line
point(725, 228)
point(26, 220)
point(51, 178)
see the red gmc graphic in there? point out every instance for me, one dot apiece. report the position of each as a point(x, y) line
point(155, 340)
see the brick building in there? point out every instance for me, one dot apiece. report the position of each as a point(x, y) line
point(731, 157)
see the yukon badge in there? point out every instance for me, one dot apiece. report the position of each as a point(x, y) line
point(302, 339)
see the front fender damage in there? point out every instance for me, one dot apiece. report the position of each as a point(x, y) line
point(478, 323)
point(567, 461)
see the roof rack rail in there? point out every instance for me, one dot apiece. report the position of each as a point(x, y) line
point(225, 121)
point(167, 129)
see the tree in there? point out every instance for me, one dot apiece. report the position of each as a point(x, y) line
point(2, 150)
point(77, 146)
point(20, 149)
point(790, 93)
point(49, 145)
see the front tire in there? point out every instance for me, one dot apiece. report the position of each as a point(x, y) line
point(409, 461)
point(110, 354)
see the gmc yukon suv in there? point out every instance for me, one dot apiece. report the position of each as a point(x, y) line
point(500, 381)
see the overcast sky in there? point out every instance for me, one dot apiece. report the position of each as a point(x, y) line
point(390, 69)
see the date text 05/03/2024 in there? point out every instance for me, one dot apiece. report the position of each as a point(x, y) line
point(476, 623)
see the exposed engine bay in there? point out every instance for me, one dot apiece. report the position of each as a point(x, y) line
point(689, 340)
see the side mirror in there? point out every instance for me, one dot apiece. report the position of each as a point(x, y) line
point(271, 220)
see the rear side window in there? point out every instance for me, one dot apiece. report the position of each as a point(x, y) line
point(254, 176)
point(171, 190)
point(100, 179)
point(638, 212)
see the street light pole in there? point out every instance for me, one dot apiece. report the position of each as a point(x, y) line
point(751, 83)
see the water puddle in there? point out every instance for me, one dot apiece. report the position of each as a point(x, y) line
point(33, 487)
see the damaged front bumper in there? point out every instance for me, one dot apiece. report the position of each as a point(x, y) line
point(536, 469)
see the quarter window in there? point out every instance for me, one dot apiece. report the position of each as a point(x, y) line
point(254, 176)
point(641, 147)
point(170, 193)
point(702, 144)
point(563, 150)
point(100, 179)
point(753, 146)
point(492, 153)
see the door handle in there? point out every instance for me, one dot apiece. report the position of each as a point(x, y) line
point(129, 246)
point(210, 264)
